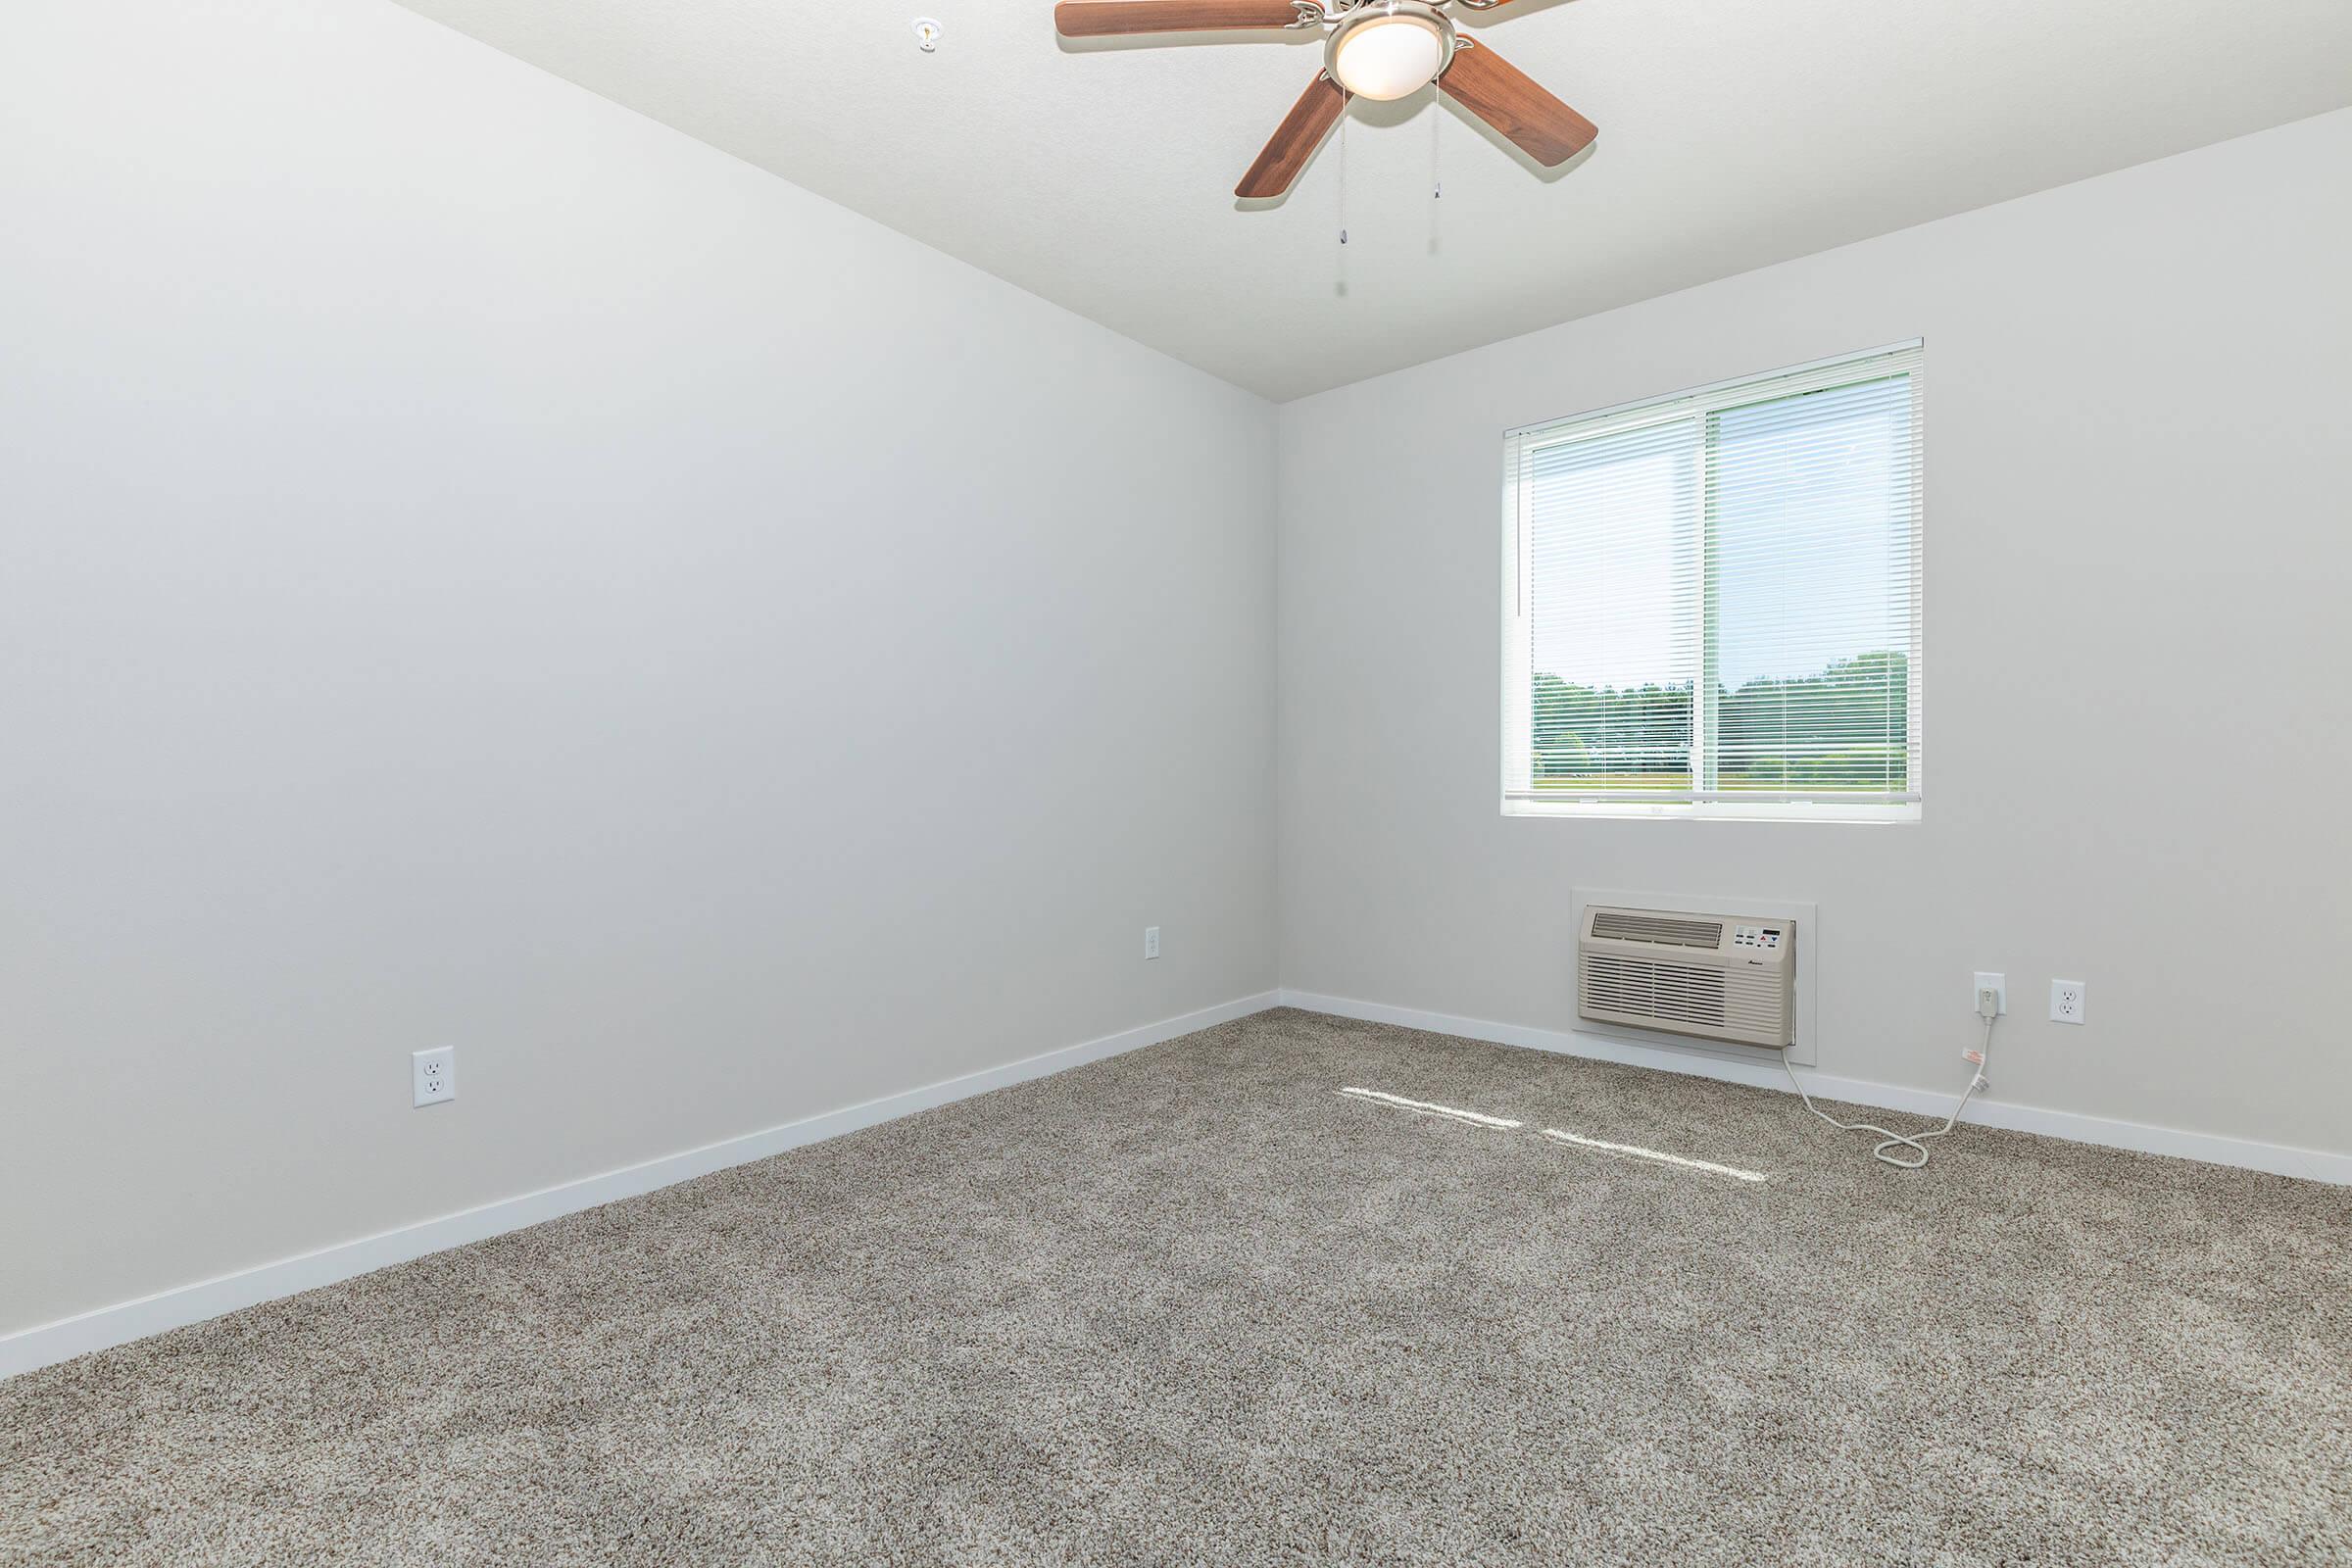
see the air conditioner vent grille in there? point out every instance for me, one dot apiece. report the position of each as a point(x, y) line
point(1671, 993)
point(1666, 930)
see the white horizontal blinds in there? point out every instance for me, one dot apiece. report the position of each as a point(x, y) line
point(1813, 532)
point(1721, 595)
point(1613, 565)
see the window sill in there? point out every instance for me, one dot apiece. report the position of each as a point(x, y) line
point(1873, 816)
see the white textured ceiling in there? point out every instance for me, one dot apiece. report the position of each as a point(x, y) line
point(1734, 133)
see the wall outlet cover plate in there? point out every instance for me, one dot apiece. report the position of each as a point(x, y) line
point(433, 1074)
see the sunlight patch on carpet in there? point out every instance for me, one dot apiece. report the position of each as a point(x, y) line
point(1431, 1108)
point(1639, 1152)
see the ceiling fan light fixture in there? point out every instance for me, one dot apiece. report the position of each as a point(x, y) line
point(1374, 49)
point(1389, 49)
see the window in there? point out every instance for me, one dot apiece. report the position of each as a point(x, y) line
point(1712, 601)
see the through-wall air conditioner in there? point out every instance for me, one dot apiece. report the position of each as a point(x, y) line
point(1711, 976)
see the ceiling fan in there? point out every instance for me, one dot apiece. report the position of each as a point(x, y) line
point(1379, 49)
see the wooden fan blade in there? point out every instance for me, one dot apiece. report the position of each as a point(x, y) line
point(1295, 139)
point(1098, 19)
point(1508, 99)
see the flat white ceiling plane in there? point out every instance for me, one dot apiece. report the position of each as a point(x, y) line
point(1098, 171)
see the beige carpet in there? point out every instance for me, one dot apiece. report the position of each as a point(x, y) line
point(1196, 1305)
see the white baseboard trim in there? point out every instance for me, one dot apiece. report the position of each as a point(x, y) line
point(2276, 1158)
point(47, 1342)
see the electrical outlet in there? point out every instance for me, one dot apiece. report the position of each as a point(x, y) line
point(2069, 999)
point(1150, 942)
point(433, 1074)
point(2000, 988)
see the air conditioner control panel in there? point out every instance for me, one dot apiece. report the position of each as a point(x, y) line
point(1762, 938)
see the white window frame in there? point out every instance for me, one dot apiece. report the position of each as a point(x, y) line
point(1518, 730)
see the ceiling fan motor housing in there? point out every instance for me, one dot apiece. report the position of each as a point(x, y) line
point(1386, 49)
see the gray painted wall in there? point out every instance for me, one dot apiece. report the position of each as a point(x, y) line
point(477, 567)
point(2137, 574)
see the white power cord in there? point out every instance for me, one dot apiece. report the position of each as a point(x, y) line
point(1988, 1007)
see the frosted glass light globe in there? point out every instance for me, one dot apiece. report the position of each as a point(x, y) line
point(1385, 56)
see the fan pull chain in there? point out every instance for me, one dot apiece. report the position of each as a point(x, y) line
point(1343, 179)
point(1437, 184)
point(1436, 181)
point(1339, 256)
